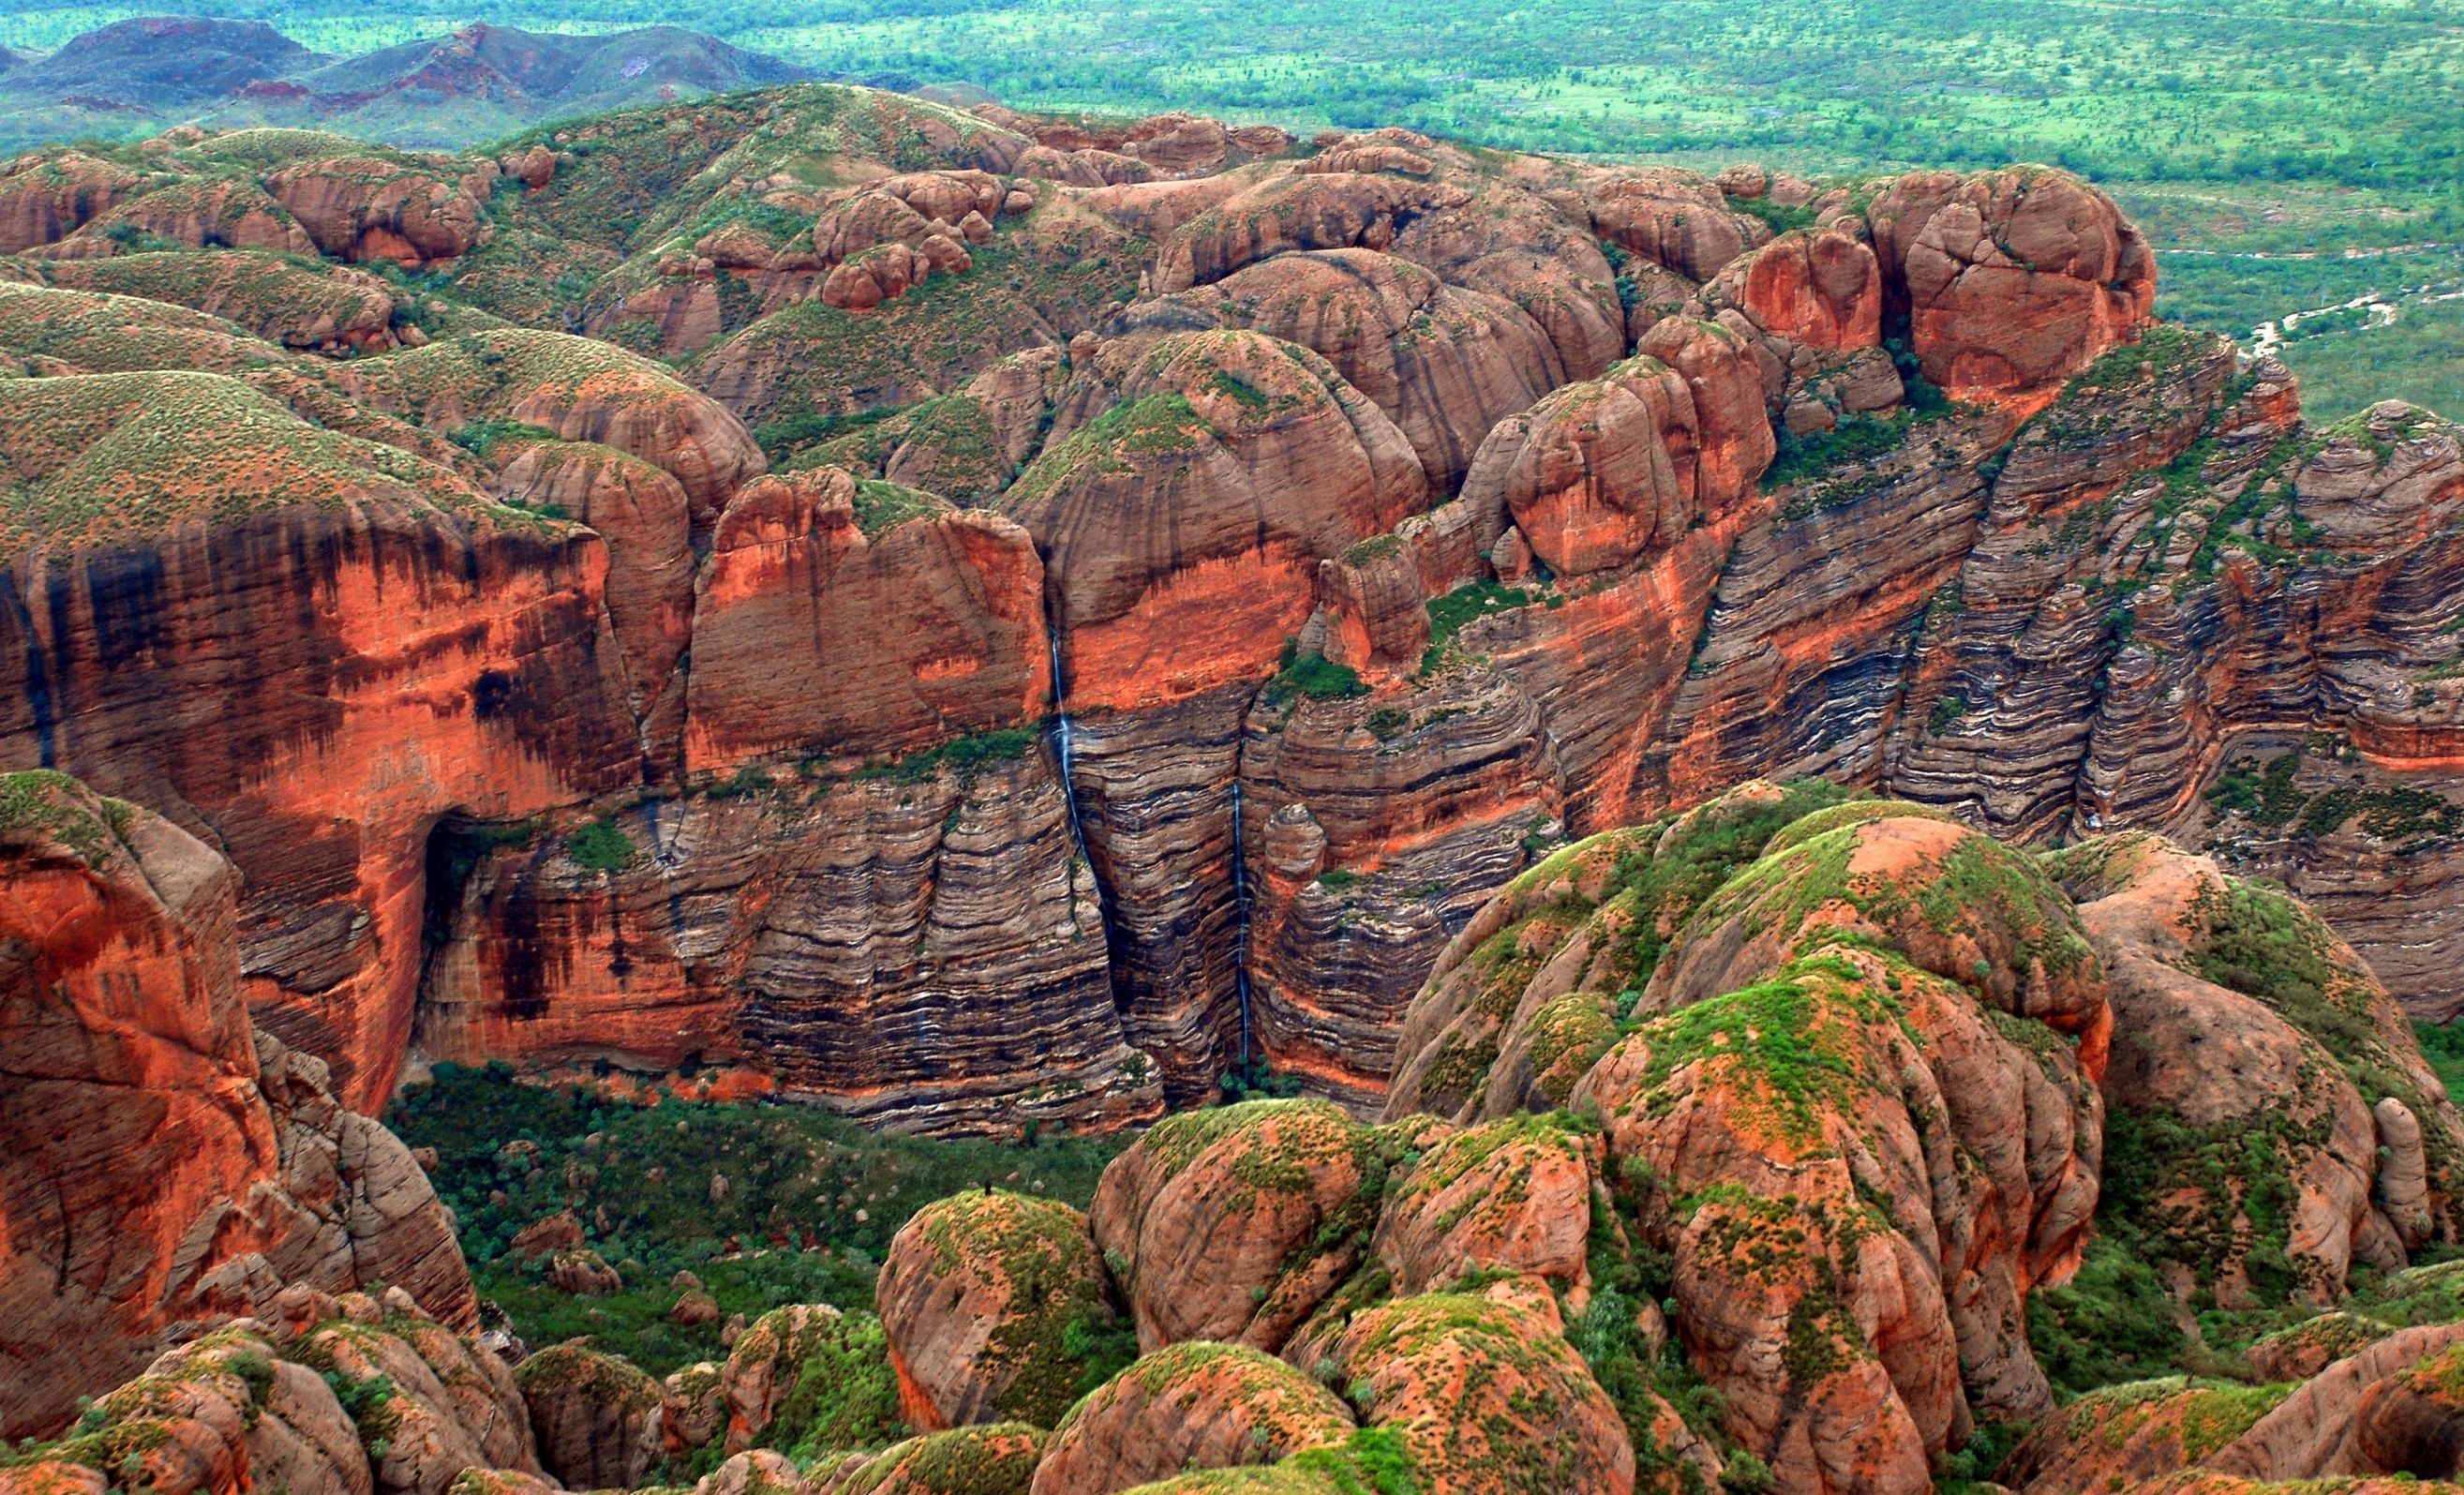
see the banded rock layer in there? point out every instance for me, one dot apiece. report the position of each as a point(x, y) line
point(1200, 569)
point(161, 1166)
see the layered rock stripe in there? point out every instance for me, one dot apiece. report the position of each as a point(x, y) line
point(1734, 1146)
point(1005, 621)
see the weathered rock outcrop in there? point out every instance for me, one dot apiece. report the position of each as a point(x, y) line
point(598, 1419)
point(995, 1460)
point(1444, 364)
point(1191, 1405)
point(2236, 1013)
point(1486, 1396)
point(162, 1165)
point(2381, 1411)
point(1823, 1003)
point(350, 1395)
point(2013, 280)
point(1231, 466)
point(1761, 1127)
point(1213, 1246)
point(909, 942)
point(1369, 531)
point(818, 564)
point(984, 1298)
point(386, 208)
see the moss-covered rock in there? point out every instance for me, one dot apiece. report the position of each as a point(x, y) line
point(810, 1378)
point(1190, 1406)
point(994, 1459)
point(1488, 1399)
point(997, 1306)
point(1234, 1224)
point(2124, 1435)
point(598, 1419)
point(1510, 1196)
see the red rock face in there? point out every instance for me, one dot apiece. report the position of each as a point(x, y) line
point(126, 978)
point(1822, 290)
point(1266, 463)
point(42, 202)
point(345, 728)
point(361, 209)
point(644, 516)
point(2015, 282)
point(1672, 218)
point(791, 567)
point(1223, 422)
point(148, 1183)
point(1603, 473)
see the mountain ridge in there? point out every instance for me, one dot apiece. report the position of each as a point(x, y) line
point(472, 84)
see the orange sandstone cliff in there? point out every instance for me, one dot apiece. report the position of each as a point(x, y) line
point(1004, 619)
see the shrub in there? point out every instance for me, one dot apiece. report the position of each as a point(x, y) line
point(602, 846)
point(481, 438)
point(2113, 1322)
point(1313, 675)
point(1449, 614)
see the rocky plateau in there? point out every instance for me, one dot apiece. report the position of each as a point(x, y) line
point(1728, 742)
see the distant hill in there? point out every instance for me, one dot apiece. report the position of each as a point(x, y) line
point(162, 60)
point(137, 77)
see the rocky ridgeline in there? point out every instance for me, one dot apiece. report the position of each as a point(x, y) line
point(1182, 573)
point(1728, 1152)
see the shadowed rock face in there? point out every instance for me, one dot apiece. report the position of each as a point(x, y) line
point(1194, 583)
point(596, 1419)
point(909, 945)
point(340, 736)
point(160, 1165)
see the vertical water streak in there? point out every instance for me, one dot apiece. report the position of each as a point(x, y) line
point(1061, 755)
point(1241, 923)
